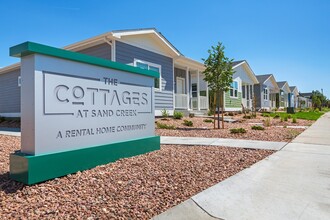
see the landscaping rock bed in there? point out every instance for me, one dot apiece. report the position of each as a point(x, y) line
point(201, 128)
point(135, 188)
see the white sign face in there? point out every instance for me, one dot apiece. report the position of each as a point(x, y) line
point(78, 105)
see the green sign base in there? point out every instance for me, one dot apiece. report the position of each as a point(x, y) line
point(31, 169)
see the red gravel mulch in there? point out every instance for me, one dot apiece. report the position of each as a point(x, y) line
point(204, 129)
point(134, 188)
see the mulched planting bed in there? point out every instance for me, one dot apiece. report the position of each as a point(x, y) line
point(134, 188)
point(204, 129)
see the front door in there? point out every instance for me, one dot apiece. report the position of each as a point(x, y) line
point(180, 96)
point(180, 85)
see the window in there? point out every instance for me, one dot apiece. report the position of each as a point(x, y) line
point(19, 81)
point(194, 90)
point(150, 66)
point(234, 89)
point(265, 94)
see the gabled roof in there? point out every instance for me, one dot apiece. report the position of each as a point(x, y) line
point(118, 34)
point(284, 85)
point(281, 84)
point(141, 31)
point(263, 78)
point(237, 63)
point(248, 69)
point(306, 94)
point(293, 88)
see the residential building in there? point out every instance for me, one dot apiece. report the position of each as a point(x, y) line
point(283, 95)
point(180, 85)
point(293, 97)
point(265, 92)
point(241, 92)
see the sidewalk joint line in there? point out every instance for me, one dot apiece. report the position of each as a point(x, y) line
point(205, 210)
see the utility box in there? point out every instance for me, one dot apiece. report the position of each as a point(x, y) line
point(290, 110)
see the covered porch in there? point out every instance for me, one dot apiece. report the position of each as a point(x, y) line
point(190, 90)
point(247, 95)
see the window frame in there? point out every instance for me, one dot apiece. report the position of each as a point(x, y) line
point(153, 65)
point(266, 94)
point(233, 90)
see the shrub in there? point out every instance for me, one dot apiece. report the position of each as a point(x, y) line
point(188, 123)
point(177, 115)
point(265, 115)
point(294, 120)
point(276, 116)
point(257, 127)
point(210, 112)
point(281, 119)
point(289, 116)
point(237, 131)
point(230, 113)
point(317, 110)
point(285, 126)
point(191, 115)
point(165, 113)
point(208, 120)
point(247, 116)
point(267, 122)
point(285, 118)
point(165, 126)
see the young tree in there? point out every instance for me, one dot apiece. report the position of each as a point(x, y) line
point(318, 99)
point(219, 75)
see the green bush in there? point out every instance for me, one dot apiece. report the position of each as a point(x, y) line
point(177, 115)
point(188, 123)
point(191, 115)
point(210, 112)
point(257, 127)
point(247, 116)
point(265, 115)
point(165, 113)
point(281, 119)
point(276, 116)
point(294, 120)
point(285, 117)
point(237, 131)
point(165, 126)
point(289, 116)
point(208, 120)
point(317, 110)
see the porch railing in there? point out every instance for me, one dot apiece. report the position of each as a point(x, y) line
point(203, 102)
point(181, 101)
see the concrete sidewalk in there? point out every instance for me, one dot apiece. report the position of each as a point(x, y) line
point(293, 183)
point(227, 142)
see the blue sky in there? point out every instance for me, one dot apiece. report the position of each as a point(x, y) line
point(287, 38)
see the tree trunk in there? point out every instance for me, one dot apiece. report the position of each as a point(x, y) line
point(214, 106)
point(218, 93)
point(222, 110)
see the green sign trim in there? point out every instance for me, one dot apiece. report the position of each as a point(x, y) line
point(28, 48)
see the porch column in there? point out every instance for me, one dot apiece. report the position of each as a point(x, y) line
point(187, 87)
point(198, 95)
